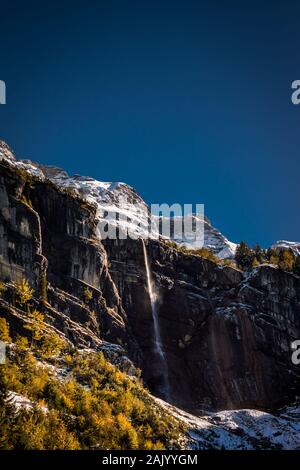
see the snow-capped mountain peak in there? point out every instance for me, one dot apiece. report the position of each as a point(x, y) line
point(285, 244)
point(133, 214)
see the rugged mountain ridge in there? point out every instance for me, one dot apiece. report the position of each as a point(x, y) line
point(285, 244)
point(110, 198)
point(226, 335)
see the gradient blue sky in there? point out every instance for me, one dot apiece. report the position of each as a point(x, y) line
point(187, 101)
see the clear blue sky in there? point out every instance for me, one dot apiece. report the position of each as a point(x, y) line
point(187, 101)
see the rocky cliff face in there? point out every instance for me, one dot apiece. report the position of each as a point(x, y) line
point(225, 336)
point(48, 233)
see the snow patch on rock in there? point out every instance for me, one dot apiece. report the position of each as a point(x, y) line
point(244, 429)
point(284, 244)
point(20, 402)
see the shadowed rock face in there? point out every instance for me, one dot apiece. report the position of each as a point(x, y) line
point(46, 232)
point(226, 337)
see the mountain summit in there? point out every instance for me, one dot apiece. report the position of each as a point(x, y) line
point(120, 198)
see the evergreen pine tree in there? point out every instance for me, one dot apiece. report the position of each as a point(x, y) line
point(259, 253)
point(244, 256)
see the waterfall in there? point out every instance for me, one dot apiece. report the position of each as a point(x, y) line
point(158, 349)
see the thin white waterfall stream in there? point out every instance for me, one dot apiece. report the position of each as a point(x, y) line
point(157, 336)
